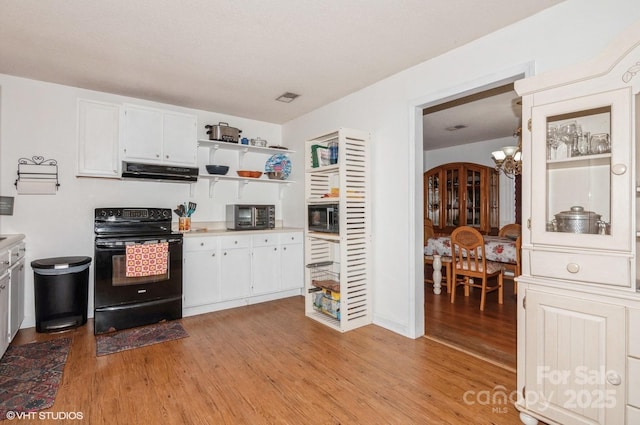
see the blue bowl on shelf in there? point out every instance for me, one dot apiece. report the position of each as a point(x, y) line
point(217, 169)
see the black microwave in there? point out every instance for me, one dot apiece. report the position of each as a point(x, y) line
point(324, 218)
point(250, 217)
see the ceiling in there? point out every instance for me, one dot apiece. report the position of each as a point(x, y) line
point(236, 57)
point(488, 115)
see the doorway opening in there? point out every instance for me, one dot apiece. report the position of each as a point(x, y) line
point(490, 334)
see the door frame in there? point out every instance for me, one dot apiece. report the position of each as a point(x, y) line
point(416, 219)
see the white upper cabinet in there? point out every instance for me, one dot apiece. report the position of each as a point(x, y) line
point(98, 139)
point(156, 136)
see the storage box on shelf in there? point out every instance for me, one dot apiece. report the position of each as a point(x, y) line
point(578, 298)
point(344, 256)
point(214, 146)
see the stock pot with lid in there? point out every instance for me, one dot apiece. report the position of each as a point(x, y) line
point(577, 220)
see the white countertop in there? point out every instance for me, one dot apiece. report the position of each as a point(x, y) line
point(9, 240)
point(198, 229)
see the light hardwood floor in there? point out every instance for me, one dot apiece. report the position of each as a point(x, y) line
point(490, 334)
point(269, 364)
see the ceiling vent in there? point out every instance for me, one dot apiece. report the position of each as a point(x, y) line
point(288, 97)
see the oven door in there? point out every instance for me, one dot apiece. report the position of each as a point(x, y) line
point(113, 286)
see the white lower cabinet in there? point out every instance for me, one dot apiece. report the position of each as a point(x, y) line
point(201, 270)
point(16, 295)
point(291, 261)
point(227, 271)
point(4, 313)
point(235, 267)
point(266, 264)
point(580, 357)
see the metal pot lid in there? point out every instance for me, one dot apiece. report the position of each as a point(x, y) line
point(578, 212)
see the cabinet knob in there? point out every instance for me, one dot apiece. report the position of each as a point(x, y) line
point(167, 156)
point(235, 242)
point(275, 249)
point(213, 255)
point(225, 253)
point(619, 169)
point(266, 240)
point(157, 155)
point(201, 243)
point(614, 379)
point(573, 268)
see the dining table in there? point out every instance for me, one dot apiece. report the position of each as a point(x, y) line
point(497, 248)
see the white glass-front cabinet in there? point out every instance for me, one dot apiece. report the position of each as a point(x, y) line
point(578, 295)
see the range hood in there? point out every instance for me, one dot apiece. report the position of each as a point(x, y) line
point(171, 173)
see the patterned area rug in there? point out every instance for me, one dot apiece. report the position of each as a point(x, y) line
point(139, 337)
point(30, 375)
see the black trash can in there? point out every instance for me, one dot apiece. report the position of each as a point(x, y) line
point(61, 288)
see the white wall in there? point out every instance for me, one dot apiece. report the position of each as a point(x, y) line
point(554, 38)
point(479, 153)
point(39, 118)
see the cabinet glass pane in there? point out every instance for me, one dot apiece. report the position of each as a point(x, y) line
point(433, 199)
point(473, 193)
point(579, 172)
point(452, 211)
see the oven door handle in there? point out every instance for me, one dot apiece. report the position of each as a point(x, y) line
point(120, 243)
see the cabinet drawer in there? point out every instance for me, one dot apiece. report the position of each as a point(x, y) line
point(633, 415)
point(228, 242)
point(633, 392)
point(266, 239)
point(17, 252)
point(633, 337)
point(200, 244)
point(295, 237)
point(608, 270)
point(5, 261)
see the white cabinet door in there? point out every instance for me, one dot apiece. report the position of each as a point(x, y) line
point(575, 359)
point(98, 139)
point(4, 313)
point(292, 260)
point(201, 282)
point(16, 298)
point(235, 273)
point(266, 269)
point(582, 192)
point(142, 134)
point(180, 139)
point(156, 136)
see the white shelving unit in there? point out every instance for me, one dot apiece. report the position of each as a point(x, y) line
point(215, 146)
point(348, 254)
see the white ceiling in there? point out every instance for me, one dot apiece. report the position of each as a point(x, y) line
point(236, 57)
point(488, 115)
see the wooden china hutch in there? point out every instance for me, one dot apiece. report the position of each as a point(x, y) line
point(462, 193)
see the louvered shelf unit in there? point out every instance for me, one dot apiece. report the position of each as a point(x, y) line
point(349, 252)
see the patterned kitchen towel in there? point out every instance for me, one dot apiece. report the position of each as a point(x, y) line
point(147, 259)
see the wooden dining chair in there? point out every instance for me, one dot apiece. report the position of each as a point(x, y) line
point(512, 230)
point(469, 262)
point(428, 259)
point(518, 270)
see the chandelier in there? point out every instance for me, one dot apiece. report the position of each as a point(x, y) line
point(509, 158)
